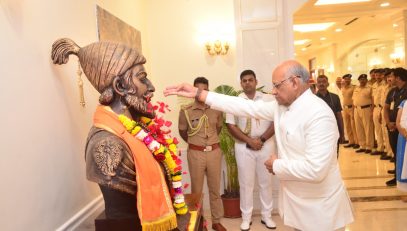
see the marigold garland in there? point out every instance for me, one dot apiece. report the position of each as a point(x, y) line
point(164, 149)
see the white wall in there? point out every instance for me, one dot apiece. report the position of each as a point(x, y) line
point(175, 31)
point(43, 128)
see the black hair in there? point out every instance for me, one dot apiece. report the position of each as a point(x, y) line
point(247, 72)
point(322, 77)
point(372, 71)
point(362, 76)
point(401, 73)
point(202, 80)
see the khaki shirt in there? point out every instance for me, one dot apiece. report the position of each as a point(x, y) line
point(347, 93)
point(377, 89)
point(195, 112)
point(362, 96)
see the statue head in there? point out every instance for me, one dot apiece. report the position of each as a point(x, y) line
point(115, 70)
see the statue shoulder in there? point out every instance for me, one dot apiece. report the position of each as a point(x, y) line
point(106, 151)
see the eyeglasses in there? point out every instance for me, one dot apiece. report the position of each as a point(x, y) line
point(279, 84)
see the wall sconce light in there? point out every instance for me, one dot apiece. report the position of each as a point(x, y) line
point(217, 48)
point(396, 58)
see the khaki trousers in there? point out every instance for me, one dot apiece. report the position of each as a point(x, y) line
point(364, 127)
point(209, 163)
point(350, 128)
point(378, 128)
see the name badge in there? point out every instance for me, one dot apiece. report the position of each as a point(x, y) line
point(392, 105)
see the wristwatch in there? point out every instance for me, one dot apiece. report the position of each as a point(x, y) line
point(262, 139)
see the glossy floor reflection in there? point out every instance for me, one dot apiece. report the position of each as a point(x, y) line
point(376, 206)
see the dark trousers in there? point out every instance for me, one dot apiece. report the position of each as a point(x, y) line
point(393, 136)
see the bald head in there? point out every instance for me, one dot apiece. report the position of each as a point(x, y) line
point(290, 80)
point(292, 68)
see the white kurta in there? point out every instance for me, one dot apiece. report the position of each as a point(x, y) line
point(250, 162)
point(312, 194)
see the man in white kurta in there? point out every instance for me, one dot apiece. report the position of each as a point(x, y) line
point(254, 142)
point(312, 194)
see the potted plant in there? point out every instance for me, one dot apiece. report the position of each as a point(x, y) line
point(230, 198)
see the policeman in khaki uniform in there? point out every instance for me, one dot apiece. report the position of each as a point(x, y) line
point(362, 100)
point(348, 111)
point(199, 126)
point(377, 88)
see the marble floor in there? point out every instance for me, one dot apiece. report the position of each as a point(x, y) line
point(377, 207)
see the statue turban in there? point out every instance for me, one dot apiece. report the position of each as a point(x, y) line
point(100, 61)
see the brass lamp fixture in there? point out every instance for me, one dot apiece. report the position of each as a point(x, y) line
point(217, 48)
point(396, 58)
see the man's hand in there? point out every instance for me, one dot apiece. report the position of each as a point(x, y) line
point(391, 126)
point(269, 163)
point(184, 89)
point(255, 144)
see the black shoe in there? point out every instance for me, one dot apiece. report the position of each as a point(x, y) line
point(356, 146)
point(376, 153)
point(391, 171)
point(368, 151)
point(360, 150)
point(385, 157)
point(392, 160)
point(391, 182)
point(349, 146)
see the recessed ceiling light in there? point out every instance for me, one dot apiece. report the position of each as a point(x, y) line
point(338, 30)
point(331, 2)
point(322, 38)
point(312, 27)
point(385, 4)
point(301, 42)
point(303, 49)
point(395, 25)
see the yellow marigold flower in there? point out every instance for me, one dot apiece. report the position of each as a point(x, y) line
point(169, 141)
point(160, 150)
point(135, 130)
point(182, 210)
point(177, 178)
point(178, 206)
point(173, 148)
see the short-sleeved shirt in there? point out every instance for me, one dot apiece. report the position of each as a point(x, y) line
point(362, 96)
point(347, 93)
point(204, 136)
point(393, 100)
point(377, 88)
point(332, 100)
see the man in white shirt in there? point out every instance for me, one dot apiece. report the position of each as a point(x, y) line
point(254, 143)
point(312, 194)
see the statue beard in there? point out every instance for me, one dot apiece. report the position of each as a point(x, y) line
point(138, 106)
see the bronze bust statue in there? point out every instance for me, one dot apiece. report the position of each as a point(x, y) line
point(134, 185)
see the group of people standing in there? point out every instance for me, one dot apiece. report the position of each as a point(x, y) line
point(371, 113)
point(199, 126)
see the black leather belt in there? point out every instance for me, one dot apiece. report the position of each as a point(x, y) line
point(365, 106)
point(378, 105)
point(204, 148)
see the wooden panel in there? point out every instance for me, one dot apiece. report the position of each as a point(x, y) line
point(258, 11)
point(261, 53)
